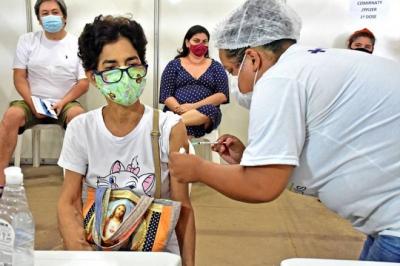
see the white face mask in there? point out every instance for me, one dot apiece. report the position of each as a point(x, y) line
point(243, 99)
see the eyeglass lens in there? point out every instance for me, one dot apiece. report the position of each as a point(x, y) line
point(115, 75)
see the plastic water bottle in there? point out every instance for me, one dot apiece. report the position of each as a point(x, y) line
point(17, 228)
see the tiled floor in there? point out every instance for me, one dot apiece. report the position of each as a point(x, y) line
point(228, 232)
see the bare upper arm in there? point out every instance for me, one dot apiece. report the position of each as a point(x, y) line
point(71, 191)
point(178, 138)
point(20, 73)
point(83, 82)
point(270, 179)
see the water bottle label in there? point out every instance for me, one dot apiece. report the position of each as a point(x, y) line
point(7, 237)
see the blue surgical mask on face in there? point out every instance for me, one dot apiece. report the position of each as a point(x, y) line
point(52, 23)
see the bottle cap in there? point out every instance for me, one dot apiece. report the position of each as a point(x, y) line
point(12, 169)
point(14, 176)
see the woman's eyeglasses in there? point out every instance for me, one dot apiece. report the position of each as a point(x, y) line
point(115, 75)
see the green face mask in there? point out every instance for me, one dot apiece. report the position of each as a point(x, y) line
point(122, 85)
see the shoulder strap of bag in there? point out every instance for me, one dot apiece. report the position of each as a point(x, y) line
point(155, 136)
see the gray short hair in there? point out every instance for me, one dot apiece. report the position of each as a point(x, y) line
point(61, 3)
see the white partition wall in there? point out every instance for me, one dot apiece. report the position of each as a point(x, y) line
point(176, 17)
point(329, 23)
point(326, 23)
point(13, 24)
point(82, 12)
point(13, 18)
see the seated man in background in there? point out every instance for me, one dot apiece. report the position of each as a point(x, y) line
point(362, 40)
point(46, 65)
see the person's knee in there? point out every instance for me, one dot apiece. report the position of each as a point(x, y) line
point(13, 118)
point(74, 112)
point(208, 124)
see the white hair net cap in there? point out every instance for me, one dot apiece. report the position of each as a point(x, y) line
point(257, 22)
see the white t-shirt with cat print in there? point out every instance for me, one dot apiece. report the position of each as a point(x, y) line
point(92, 150)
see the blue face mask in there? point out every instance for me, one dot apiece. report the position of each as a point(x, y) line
point(52, 23)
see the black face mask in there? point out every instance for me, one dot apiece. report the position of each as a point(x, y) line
point(362, 50)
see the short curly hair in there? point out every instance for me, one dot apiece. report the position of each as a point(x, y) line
point(105, 30)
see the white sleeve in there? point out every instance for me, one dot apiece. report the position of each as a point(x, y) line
point(277, 126)
point(81, 71)
point(22, 52)
point(167, 121)
point(74, 156)
point(74, 46)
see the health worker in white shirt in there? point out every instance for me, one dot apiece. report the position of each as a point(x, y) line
point(323, 122)
point(46, 65)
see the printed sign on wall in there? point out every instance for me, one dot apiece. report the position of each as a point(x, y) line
point(369, 9)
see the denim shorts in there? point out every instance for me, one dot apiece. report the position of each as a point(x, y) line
point(381, 248)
